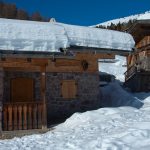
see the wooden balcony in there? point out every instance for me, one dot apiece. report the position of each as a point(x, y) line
point(130, 72)
point(22, 116)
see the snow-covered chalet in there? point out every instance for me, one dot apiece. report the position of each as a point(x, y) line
point(50, 70)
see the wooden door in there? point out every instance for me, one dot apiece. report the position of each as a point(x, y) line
point(22, 90)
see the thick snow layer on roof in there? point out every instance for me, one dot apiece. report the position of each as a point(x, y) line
point(31, 36)
point(45, 36)
point(99, 38)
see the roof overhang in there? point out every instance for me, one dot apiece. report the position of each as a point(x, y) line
point(66, 53)
point(82, 49)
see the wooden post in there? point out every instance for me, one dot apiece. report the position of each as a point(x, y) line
point(1, 97)
point(43, 96)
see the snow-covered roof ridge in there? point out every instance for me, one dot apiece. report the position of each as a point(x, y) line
point(21, 35)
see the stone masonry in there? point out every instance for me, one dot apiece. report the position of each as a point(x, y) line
point(87, 94)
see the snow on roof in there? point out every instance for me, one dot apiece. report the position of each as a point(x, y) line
point(49, 37)
point(31, 36)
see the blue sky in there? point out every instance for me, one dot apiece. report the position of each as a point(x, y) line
point(83, 12)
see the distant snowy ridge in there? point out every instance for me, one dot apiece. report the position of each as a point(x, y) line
point(142, 16)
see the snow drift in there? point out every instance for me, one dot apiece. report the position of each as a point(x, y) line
point(114, 95)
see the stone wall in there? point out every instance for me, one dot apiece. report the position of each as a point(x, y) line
point(57, 107)
point(87, 94)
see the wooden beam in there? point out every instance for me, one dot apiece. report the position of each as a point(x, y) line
point(43, 95)
point(104, 56)
point(21, 62)
point(24, 69)
point(66, 62)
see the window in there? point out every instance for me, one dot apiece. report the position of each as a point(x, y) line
point(69, 89)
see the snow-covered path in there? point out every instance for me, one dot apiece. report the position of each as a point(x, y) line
point(120, 128)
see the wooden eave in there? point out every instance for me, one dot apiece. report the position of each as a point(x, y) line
point(83, 49)
point(29, 54)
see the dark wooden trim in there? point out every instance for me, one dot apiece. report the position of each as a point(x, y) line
point(82, 49)
point(43, 95)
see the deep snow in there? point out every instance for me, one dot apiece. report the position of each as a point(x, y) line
point(20, 35)
point(122, 128)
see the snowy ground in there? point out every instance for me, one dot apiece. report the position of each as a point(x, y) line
point(117, 128)
point(112, 68)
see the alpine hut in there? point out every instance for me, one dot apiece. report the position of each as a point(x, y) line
point(50, 70)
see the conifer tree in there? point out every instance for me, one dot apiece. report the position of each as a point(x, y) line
point(22, 15)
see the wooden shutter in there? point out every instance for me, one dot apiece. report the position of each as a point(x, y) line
point(22, 90)
point(69, 89)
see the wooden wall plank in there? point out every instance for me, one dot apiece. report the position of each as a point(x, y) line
point(5, 118)
point(39, 106)
point(43, 96)
point(15, 119)
point(30, 117)
point(34, 117)
point(10, 123)
point(20, 118)
point(25, 117)
point(60, 65)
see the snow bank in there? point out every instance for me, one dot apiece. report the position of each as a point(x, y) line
point(46, 36)
point(114, 95)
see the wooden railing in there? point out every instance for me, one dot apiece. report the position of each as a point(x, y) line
point(130, 72)
point(22, 116)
